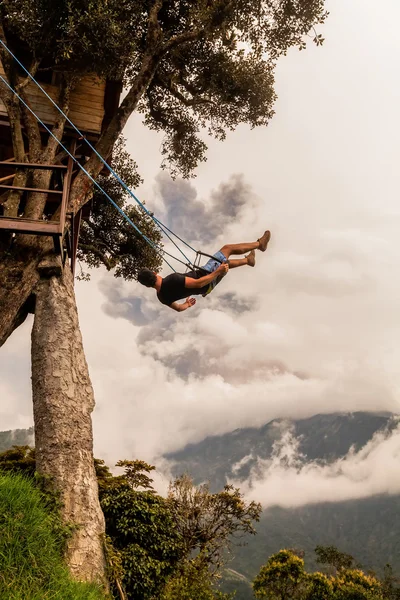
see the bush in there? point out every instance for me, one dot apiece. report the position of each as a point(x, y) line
point(31, 563)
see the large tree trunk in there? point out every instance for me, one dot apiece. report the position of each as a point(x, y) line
point(63, 402)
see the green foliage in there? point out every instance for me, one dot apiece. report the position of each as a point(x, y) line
point(213, 61)
point(31, 565)
point(106, 238)
point(152, 541)
point(353, 584)
point(331, 556)
point(191, 582)
point(141, 529)
point(179, 541)
point(281, 578)
point(284, 578)
point(18, 459)
point(208, 523)
point(317, 587)
point(390, 584)
point(136, 473)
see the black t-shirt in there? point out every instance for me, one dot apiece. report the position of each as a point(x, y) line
point(173, 286)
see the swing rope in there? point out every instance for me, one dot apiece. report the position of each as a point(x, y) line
point(164, 229)
point(158, 250)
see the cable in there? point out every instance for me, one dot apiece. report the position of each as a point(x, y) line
point(157, 249)
point(127, 189)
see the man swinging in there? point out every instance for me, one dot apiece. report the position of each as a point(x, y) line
point(204, 279)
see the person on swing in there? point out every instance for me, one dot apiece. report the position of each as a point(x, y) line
point(204, 279)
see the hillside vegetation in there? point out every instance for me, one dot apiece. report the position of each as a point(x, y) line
point(31, 541)
point(367, 528)
point(154, 538)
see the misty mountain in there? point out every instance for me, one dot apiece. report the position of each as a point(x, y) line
point(368, 528)
point(16, 437)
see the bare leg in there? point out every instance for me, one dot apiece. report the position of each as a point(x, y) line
point(237, 262)
point(260, 244)
point(250, 260)
point(229, 249)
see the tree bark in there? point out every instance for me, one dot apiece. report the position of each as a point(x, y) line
point(63, 401)
point(18, 277)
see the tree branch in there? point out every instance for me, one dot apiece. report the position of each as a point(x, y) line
point(108, 263)
point(154, 29)
point(183, 38)
point(99, 235)
point(170, 87)
point(32, 70)
point(58, 129)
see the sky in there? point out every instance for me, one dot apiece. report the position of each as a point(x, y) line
point(314, 327)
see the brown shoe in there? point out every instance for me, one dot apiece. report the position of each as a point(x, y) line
point(263, 241)
point(251, 259)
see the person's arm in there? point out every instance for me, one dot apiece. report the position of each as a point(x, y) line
point(202, 281)
point(185, 305)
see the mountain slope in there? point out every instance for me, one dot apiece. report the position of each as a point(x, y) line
point(368, 528)
point(321, 438)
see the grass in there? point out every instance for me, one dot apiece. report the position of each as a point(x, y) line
point(31, 563)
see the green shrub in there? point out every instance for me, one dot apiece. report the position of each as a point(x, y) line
point(31, 563)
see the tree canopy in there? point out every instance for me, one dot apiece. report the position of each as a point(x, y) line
point(284, 577)
point(188, 66)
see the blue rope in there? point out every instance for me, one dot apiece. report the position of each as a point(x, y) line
point(157, 249)
point(127, 189)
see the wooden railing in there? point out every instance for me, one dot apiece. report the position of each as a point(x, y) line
point(52, 227)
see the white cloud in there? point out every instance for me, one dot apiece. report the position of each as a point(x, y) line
point(287, 480)
point(314, 328)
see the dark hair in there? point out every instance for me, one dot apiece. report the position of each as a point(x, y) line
point(147, 278)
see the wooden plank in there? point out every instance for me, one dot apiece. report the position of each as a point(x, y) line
point(86, 115)
point(88, 107)
point(91, 82)
point(66, 187)
point(48, 114)
point(31, 165)
point(85, 97)
point(88, 90)
point(84, 120)
point(26, 189)
point(7, 177)
point(22, 225)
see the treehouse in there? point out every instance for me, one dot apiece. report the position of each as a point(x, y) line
point(92, 104)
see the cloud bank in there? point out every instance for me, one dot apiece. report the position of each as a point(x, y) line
point(314, 327)
point(289, 481)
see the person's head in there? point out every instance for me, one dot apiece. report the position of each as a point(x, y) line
point(147, 277)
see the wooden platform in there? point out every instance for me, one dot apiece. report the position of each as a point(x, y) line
point(21, 225)
point(51, 227)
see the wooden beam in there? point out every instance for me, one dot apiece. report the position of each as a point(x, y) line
point(21, 225)
point(7, 177)
point(66, 187)
point(31, 165)
point(50, 266)
point(26, 189)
